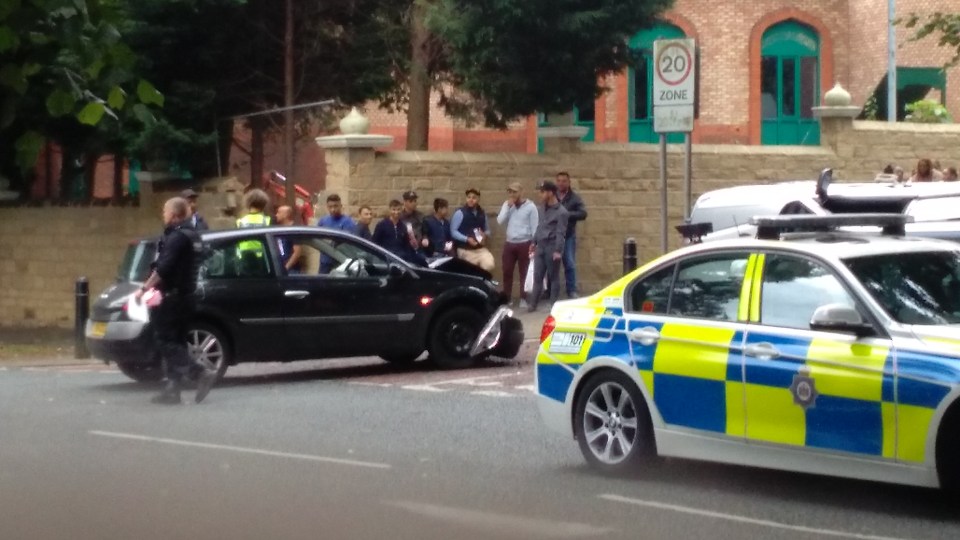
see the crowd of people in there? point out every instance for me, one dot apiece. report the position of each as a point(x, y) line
point(926, 171)
point(544, 234)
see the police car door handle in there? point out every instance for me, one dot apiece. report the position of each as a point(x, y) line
point(296, 294)
point(762, 351)
point(646, 336)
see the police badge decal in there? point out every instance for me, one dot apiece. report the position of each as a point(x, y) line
point(804, 390)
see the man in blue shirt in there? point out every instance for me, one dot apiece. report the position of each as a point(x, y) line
point(393, 235)
point(470, 230)
point(436, 230)
point(335, 219)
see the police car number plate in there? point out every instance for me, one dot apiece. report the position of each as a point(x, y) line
point(567, 342)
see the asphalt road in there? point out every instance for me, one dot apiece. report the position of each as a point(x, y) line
point(358, 449)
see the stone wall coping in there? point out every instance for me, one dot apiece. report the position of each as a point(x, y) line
point(845, 111)
point(354, 141)
point(906, 127)
point(563, 132)
point(463, 157)
point(704, 149)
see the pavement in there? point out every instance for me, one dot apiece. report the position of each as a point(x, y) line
point(363, 449)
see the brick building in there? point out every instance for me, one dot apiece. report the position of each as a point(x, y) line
point(763, 65)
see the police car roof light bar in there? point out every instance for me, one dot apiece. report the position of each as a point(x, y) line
point(694, 232)
point(771, 227)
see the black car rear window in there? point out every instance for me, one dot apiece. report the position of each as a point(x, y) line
point(136, 261)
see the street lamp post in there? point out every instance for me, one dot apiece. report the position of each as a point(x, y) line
point(891, 62)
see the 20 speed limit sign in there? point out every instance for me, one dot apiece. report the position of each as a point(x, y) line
point(673, 72)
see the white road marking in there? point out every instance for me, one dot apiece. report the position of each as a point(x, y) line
point(3, 369)
point(472, 380)
point(739, 519)
point(240, 449)
point(423, 388)
point(368, 383)
point(502, 524)
point(35, 369)
point(492, 393)
point(527, 387)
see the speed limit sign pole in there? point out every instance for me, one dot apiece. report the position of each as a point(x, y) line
point(674, 95)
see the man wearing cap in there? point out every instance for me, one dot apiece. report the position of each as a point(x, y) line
point(521, 217)
point(470, 230)
point(548, 243)
point(196, 220)
point(413, 219)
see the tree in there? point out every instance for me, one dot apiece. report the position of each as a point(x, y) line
point(63, 69)
point(944, 25)
point(501, 60)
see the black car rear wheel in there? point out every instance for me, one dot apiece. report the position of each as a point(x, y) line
point(452, 335)
point(208, 344)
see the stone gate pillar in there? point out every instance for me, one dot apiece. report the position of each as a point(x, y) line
point(346, 153)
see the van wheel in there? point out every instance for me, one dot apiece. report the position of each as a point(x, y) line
point(452, 335)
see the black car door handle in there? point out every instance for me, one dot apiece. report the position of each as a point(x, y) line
point(296, 294)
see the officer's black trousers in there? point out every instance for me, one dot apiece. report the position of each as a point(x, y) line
point(170, 321)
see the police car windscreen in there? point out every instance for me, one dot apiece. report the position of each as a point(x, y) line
point(914, 288)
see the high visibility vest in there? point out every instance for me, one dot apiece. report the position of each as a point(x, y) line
point(251, 220)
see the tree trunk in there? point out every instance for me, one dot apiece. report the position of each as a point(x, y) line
point(418, 111)
point(288, 134)
point(256, 154)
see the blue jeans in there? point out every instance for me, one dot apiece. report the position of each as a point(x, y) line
point(569, 264)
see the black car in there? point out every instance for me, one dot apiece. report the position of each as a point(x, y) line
point(371, 303)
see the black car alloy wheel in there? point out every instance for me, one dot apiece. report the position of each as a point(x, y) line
point(452, 335)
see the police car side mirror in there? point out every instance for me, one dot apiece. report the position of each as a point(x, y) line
point(840, 318)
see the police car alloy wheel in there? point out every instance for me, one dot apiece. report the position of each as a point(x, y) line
point(612, 423)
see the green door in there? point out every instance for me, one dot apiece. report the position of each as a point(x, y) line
point(790, 83)
point(640, 82)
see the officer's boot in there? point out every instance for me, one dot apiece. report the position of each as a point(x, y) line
point(170, 395)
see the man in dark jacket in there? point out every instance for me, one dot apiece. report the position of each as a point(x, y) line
point(392, 235)
point(436, 230)
point(196, 220)
point(364, 218)
point(577, 211)
point(174, 275)
point(546, 251)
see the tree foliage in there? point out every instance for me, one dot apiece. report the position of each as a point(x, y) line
point(512, 58)
point(64, 68)
point(944, 26)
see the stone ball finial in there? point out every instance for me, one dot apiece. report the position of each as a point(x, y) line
point(354, 123)
point(837, 97)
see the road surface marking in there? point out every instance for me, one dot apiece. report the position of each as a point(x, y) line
point(473, 380)
point(423, 388)
point(368, 383)
point(527, 387)
point(240, 449)
point(492, 393)
point(739, 519)
point(503, 524)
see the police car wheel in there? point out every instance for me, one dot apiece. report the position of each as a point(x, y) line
point(207, 344)
point(612, 423)
point(452, 335)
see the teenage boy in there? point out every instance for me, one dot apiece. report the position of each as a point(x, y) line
point(436, 230)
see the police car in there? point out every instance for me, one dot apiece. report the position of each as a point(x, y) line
point(826, 351)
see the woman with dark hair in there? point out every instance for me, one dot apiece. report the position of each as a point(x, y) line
point(925, 172)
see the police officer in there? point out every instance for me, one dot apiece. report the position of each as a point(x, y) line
point(174, 275)
point(256, 202)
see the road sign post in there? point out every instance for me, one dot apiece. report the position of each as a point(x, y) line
point(674, 96)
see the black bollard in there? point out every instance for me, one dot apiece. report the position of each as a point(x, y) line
point(82, 292)
point(629, 255)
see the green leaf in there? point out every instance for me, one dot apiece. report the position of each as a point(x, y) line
point(91, 113)
point(28, 148)
point(142, 112)
point(60, 103)
point(8, 110)
point(93, 70)
point(29, 70)
point(8, 39)
point(117, 98)
point(148, 94)
point(11, 75)
point(7, 7)
point(122, 56)
point(38, 38)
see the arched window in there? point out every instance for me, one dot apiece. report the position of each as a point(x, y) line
point(789, 84)
point(640, 81)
